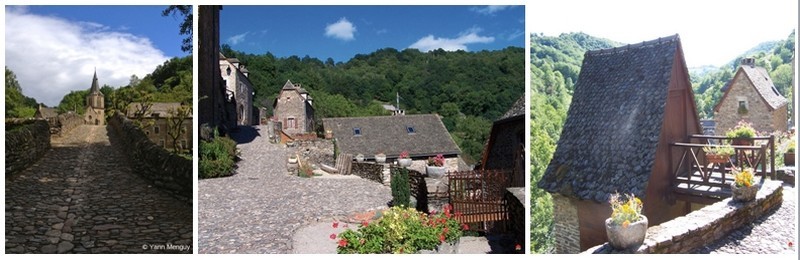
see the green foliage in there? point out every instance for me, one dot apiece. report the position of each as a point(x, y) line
point(17, 104)
point(743, 129)
point(74, 101)
point(401, 230)
point(217, 157)
point(401, 189)
point(723, 150)
point(184, 11)
point(625, 212)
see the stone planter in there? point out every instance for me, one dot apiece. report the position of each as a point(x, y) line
point(788, 159)
point(292, 160)
point(626, 238)
point(743, 194)
point(328, 134)
point(360, 158)
point(404, 162)
point(444, 248)
point(380, 158)
point(435, 172)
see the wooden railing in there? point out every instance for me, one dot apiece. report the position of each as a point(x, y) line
point(478, 195)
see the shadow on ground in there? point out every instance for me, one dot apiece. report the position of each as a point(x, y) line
point(244, 134)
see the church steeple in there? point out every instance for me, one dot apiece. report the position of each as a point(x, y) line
point(95, 88)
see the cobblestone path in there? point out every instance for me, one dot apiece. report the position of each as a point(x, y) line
point(83, 197)
point(773, 233)
point(260, 208)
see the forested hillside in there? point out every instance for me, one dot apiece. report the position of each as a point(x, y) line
point(775, 57)
point(555, 65)
point(17, 104)
point(469, 89)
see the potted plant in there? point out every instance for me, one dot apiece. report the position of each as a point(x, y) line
point(788, 156)
point(718, 154)
point(743, 187)
point(293, 159)
point(359, 158)
point(742, 133)
point(435, 168)
point(380, 157)
point(404, 160)
point(626, 228)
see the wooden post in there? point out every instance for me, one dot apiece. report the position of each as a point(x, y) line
point(772, 156)
point(764, 162)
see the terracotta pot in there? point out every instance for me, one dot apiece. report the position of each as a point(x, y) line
point(716, 158)
point(788, 159)
point(626, 238)
point(744, 194)
point(404, 162)
point(435, 172)
point(742, 141)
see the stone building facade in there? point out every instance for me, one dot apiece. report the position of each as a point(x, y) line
point(294, 110)
point(505, 149)
point(212, 103)
point(156, 126)
point(239, 88)
point(751, 96)
point(95, 105)
point(566, 231)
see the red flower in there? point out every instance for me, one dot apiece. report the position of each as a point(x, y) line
point(335, 224)
point(791, 244)
point(343, 243)
point(518, 247)
point(445, 230)
point(333, 236)
point(364, 223)
point(433, 212)
point(464, 226)
point(458, 214)
point(441, 238)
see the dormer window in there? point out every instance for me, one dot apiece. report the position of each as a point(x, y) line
point(357, 131)
point(411, 130)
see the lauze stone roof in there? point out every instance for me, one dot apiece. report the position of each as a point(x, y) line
point(390, 135)
point(609, 139)
point(517, 109)
point(764, 86)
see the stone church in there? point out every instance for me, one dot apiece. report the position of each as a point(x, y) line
point(95, 105)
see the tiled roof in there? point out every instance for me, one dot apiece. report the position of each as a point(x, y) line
point(47, 112)
point(390, 135)
point(764, 86)
point(95, 89)
point(609, 139)
point(517, 109)
point(162, 109)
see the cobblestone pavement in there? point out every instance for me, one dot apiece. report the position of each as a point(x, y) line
point(83, 197)
point(770, 234)
point(259, 209)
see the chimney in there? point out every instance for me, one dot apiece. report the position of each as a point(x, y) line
point(748, 61)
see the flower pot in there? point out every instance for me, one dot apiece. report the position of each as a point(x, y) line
point(742, 141)
point(744, 194)
point(717, 158)
point(626, 238)
point(404, 162)
point(292, 160)
point(380, 158)
point(328, 134)
point(360, 158)
point(435, 172)
point(788, 158)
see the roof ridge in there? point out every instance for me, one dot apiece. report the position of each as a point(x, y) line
point(360, 117)
point(615, 50)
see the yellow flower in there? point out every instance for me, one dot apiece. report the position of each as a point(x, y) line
point(625, 224)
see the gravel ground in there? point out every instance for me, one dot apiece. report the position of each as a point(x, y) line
point(770, 234)
point(259, 209)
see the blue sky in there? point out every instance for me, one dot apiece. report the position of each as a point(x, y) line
point(341, 32)
point(55, 49)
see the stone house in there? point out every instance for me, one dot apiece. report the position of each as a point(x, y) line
point(212, 103)
point(43, 112)
point(294, 110)
point(95, 105)
point(630, 104)
point(156, 127)
point(238, 85)
point(752, 97)
point(422, 136)
point(505, 148)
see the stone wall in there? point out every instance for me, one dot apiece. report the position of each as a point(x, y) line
point(693, 231)
point(515, 201)
point(170, 172)
point(758, 112)
point(26, 142)
point(318, 151)
point(64, 123)
point(565, 225)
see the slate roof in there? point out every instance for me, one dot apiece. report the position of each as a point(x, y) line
point(517, 109)
point(389, 134)
point(95, 89)
point(46, 112)
point(763, 84)
point(161, 108)
point(608, 143)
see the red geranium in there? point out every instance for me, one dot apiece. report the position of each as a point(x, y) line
point(343, 243)
point(335, 224)
point(333, 236)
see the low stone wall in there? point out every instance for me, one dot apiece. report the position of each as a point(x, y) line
point(318, 151)
point(167, 171)
point(369, 171)
point(515, 201)
point(691, 232)
point(26, 142)
point(64, 123)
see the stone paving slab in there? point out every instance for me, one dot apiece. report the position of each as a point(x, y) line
point(259, 209)
point(83, 197)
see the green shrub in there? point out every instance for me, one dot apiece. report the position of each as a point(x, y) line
point(401, 191)
point(743, 129)
point(217, 157)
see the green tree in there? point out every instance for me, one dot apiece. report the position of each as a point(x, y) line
point(184, 11)
point(17, 104)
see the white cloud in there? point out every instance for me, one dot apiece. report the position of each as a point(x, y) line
point(52, 56)
point(431, 42)
point(342, 30)
point(236, 39)
point(491, 9)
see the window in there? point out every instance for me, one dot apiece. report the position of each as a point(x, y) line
point(742, 107)
point(291, 123)
point(155, 129)
point(411, 130)
point(357, 131)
